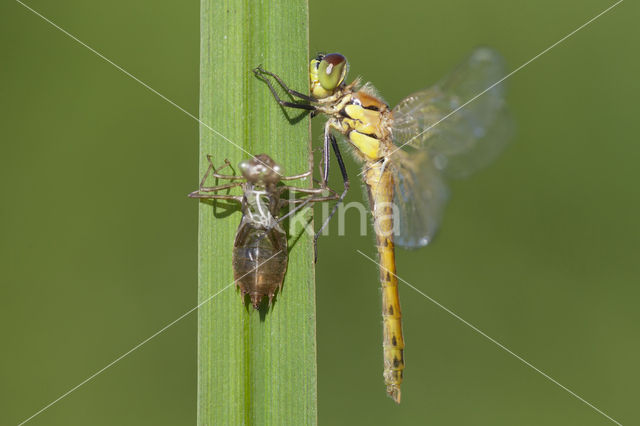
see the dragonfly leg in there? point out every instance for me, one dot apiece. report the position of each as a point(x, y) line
point(300, 176)
point(197, 194)
point(308, 190)
point(302, 203)
point(260, 70)
point(212, 171)
point(291, 212)
point(345, 179)
point(205, 191)
point(321, 165)
point(214, 188)
point(326, 154)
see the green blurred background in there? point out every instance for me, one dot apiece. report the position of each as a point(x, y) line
point(540, 251)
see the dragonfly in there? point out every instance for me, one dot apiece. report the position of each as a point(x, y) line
point(260, 252)
point(407, 154)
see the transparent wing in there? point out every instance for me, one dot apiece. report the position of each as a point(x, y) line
point(459, 138)
point(441, 136)
point(420, 196)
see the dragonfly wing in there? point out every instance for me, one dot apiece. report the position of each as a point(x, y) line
point(419, 198)
point(462, 122)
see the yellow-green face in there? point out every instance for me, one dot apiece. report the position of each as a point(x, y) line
point(327, 73)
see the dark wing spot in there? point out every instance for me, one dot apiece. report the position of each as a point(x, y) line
point(391, 311)
point(396, 362)
point(394, 342)
point(388, 277)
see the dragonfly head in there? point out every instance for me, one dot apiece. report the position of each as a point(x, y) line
point(327, 73)
point(261, 170)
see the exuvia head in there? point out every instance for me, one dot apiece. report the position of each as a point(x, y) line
point(327, 73)
point(261, 170)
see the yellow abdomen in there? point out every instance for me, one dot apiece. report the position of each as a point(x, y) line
point(380, 188)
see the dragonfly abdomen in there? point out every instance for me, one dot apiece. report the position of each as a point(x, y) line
point(380, 187)
point(259, 261)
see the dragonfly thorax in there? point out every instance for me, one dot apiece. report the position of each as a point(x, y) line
point(260, 207)
point(363, 118)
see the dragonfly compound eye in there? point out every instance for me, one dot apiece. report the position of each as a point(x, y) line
point(277, 169)
point(332, 71)
point(245, 168)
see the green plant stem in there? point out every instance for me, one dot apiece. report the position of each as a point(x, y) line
point(253, 368)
